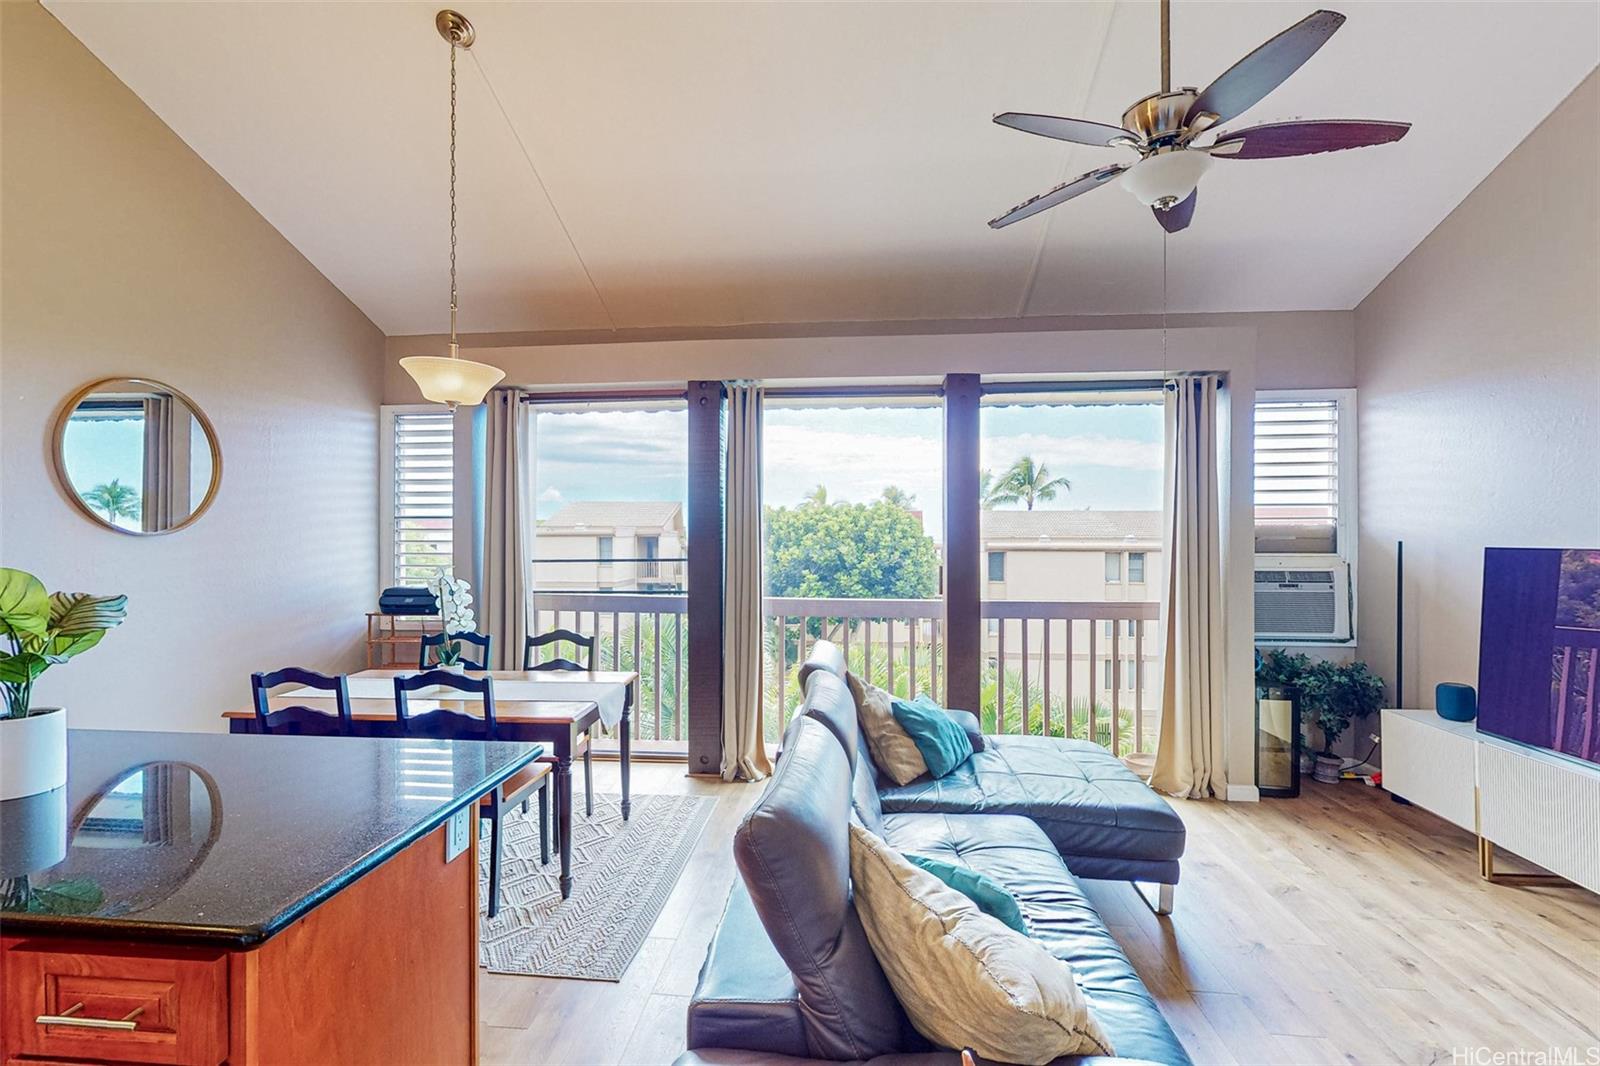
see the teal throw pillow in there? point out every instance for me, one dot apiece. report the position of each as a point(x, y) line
point(985, 891)
point(943, 743)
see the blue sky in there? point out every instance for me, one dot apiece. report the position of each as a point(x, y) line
point(1110, 453)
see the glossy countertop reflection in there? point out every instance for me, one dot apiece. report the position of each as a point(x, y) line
point(224, 838)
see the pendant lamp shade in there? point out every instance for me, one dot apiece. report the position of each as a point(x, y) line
point(450, 380)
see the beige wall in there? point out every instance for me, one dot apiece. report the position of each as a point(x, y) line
point(125, 254)
point(1478, 369)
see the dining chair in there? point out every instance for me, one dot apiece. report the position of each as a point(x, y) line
point(445, 724)
point(580, 643)
point(485, 641)
point(297, 720)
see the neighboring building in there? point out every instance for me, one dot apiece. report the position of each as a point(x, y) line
point(1077, 557)
point(611, 546)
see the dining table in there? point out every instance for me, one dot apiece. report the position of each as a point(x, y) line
point(551, 707)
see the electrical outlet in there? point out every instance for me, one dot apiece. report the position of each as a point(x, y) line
point(456, 833)
point(1375, 738)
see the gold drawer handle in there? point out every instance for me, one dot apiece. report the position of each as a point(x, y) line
point(71, 1017)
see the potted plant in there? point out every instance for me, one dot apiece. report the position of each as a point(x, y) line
point(42, 629)
point(455, 614)
point(1336, 695)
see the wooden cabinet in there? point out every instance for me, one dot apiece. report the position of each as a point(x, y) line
point(114, 1003)
point(384, 971)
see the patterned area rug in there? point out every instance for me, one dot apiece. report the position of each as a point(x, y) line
point(622, 874)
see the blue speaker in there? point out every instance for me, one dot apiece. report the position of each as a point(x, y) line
point(1458, 703)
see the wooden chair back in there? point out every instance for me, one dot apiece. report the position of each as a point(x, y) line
point(484, 641)
point(442, 723)
point(556, 636)
point(297, 720)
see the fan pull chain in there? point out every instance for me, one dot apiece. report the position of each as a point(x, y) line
point(452, 198)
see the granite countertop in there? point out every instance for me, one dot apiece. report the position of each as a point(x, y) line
point(222, 839)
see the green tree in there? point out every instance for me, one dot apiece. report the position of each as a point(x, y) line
point(817, 497)
point(899, 497)
point(991, 491)
point(1028, 482)
point(849, 550)
point(115, 499)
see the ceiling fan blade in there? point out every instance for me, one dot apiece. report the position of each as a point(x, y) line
point(1077, 130)
point(1280, 139)
point(1179, 215)
point(1257, 74)
point(1058, 195)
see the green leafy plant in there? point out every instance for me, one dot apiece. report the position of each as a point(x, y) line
point(114, 499)
point(1330, 694)
point(76, 896)
point(45, 629)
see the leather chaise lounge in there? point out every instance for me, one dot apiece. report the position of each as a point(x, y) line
point(790, 978)
point(1107, 824)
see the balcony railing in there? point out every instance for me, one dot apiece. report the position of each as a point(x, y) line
point(1089, 670)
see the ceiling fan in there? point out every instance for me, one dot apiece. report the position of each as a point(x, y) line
point(1162, 127)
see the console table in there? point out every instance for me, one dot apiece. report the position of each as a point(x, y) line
point(1532, 803)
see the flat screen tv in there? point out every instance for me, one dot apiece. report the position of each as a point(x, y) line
point(1539, 648)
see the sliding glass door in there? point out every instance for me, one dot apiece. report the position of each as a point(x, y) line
point(1071, 561)
point(610, 547)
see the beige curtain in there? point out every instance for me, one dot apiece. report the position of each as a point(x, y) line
point(507, 527)
point(160, 505)
point(1189, 747)
point(744, 753)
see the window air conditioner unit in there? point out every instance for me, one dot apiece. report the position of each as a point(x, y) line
point(1302, 598)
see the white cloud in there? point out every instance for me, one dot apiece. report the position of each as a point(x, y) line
point(550, 495)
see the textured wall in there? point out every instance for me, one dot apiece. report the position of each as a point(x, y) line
point(125, 254)
point(1478, 365)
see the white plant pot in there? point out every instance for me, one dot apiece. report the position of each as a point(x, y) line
point(453, 668)
point(33, 753)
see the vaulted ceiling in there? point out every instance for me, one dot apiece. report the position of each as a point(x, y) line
point(720, 164)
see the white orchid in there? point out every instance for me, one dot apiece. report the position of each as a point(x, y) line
point(455, 611)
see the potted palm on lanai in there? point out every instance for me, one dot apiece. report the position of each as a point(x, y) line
point(38, 630)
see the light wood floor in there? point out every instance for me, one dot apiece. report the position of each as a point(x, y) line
point(1338, 927)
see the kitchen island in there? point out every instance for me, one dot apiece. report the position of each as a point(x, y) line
point(206, 898)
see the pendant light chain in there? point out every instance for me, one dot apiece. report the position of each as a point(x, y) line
point(452, 198)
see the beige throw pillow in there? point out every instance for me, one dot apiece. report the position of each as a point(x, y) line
point(892, 747)
point(964, 978)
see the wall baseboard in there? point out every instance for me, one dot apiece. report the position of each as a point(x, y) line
point(1243, 794)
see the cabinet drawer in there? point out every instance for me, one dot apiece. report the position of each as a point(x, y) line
point(132, 1005)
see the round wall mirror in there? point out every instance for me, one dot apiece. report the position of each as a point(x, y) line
point(137, 456)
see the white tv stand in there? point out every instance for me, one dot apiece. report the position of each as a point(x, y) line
point(1532, 803)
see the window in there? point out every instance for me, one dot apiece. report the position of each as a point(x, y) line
point(649, 552)
point(1304, 471)
point(1108, 674)
point(417, 485)
point(997, 566)
point(1113, 567)
point(605, 549)
point(1136, 568)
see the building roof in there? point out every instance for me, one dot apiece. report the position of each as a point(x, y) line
point(1072, 525)
point(613, 514)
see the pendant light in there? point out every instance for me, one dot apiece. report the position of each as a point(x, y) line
point(450, 379)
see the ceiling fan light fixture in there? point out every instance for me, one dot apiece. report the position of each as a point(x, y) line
point(1167, 178)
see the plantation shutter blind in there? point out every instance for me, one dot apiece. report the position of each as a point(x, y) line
point(1297, 476)
point(424, 479)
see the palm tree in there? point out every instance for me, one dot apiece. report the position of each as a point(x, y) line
point(992, 493)
point(817, 497)
point(114, 498)
point(899, 497)
point(1028, 482)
